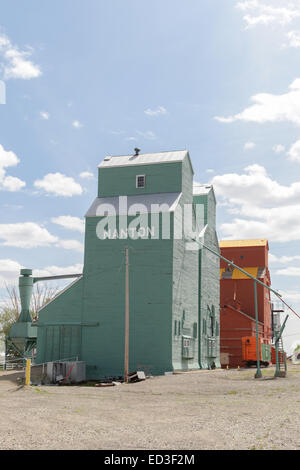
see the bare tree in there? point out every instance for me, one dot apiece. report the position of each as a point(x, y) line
point(10, 308)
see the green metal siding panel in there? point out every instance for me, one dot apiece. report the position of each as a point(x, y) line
point(209, 297)
point(185, 285)
point(65, 308)
point(120, 181)
point(209, 203)
point(59, 343)
point(104, 300)
point(165, 280)
point(209, 287)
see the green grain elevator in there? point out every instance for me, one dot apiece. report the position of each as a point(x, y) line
point(173, 290)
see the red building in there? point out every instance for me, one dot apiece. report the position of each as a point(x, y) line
point(237, 317)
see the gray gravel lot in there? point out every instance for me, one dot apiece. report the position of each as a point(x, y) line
point(217, 409)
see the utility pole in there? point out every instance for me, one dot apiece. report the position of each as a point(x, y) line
point(126, 318)
point(258, 374)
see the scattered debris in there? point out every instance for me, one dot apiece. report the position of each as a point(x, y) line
point(137, 376)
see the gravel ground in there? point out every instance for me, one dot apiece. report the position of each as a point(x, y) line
point(220, 409)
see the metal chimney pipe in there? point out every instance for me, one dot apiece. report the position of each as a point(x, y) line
point(25, 288)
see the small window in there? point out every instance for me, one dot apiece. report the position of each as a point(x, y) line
point(140, 181)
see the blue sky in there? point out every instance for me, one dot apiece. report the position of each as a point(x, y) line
point(87, 79)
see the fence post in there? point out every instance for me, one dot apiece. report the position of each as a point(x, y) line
point(27, 372)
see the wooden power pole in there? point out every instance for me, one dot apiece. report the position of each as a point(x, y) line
point(126, 318)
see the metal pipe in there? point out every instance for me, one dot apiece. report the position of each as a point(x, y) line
point(25, 289)
point(50, 278)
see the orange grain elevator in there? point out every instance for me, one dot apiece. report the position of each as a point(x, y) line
point(237, 313)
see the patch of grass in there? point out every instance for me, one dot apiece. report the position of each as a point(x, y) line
point(38, 390)
point(87, 384)
point(260, 447)
point(232, 392)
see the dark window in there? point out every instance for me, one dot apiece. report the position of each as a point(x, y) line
point(140, 181)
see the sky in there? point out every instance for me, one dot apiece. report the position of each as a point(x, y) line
point(86, 79)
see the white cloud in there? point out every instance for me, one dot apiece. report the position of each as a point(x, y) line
point(282, 259)
point(59, 185)
point(210, 170)
point(256, 188)
point(16, 63)
point(293, 39)
point(7, 158)
point(74, 245)
point(77, 124)
point(86, 175)
point(159, 111)
point(32, 235)
point(293, 296)
point(58, 270)
point(9, 183)
point(70, 223)
point(148, 135)
point(25, 235)
point(271, 108)
point(44, 115)
point(278, 148)
point(289, 271)
point(294, 152)
point(131, 138)
point(249, 145)
point(262, 13)
point(265, 208)
point(9, 271)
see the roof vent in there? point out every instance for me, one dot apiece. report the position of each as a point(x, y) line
point(106, 159)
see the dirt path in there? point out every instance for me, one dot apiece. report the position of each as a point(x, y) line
point(195, 410)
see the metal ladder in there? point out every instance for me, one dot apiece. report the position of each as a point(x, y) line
point(281, 366)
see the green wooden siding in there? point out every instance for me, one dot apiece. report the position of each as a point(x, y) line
point(170, 288)
point(120, 181)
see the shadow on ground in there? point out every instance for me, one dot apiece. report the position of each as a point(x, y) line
point(13, 377)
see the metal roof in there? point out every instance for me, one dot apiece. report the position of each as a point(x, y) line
point(236, 243)
point(199, 189)
point(130, 205)
point(144, 159)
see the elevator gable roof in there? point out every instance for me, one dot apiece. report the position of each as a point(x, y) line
point(130, 205)
point(145, 159)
